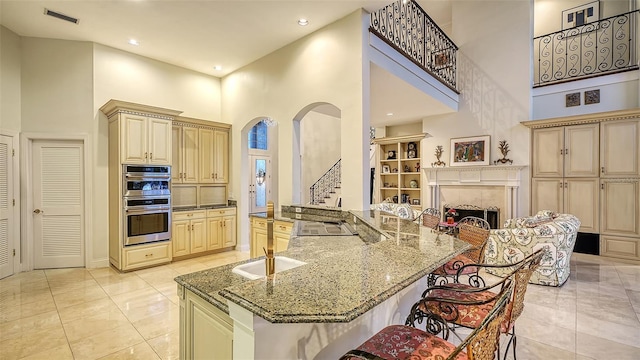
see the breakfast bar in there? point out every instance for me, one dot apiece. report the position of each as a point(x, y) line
point(349, 288)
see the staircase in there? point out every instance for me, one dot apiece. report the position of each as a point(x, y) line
point(326, 191)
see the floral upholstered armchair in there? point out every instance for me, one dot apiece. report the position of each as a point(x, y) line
point(403, 211)
point(523, 236)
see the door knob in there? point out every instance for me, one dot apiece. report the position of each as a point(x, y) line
point(37, 211)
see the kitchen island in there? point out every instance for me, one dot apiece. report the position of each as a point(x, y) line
point(350, 288)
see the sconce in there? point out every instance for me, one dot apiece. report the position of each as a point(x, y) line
point(260, 175)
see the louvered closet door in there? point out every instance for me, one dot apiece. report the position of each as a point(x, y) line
point(58, 198)
point(6, 207)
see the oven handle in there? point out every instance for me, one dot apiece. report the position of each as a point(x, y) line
point(154, 210)
point(148, 176)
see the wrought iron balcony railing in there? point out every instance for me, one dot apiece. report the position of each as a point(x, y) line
point(409, 29)
point(326, 185)
point(602, 47)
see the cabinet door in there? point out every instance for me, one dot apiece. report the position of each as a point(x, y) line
point(620, 148)
point(214, 227)
point(258, 238)
point(205, 153)
point(581, 150)
point(180, 231)
point(546, 194)
point(176, 154)
point(546, 159)
point(620, 207)
point(159, 145)
point(281, 241)
point(221, 157)
point(228, 231)
point(190, 149)
point(581, 199)
point(208, 335)
point(134, 139)
point(198, 236)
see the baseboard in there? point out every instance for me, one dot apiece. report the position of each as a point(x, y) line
point(98, 263)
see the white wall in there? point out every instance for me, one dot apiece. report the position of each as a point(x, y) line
point(494, 76)
point(320, 147)
point(323, 67)
point(9, 80)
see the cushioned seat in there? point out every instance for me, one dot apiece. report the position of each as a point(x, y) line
point(521, 237)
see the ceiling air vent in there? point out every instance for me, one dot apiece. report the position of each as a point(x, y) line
point(61, 16)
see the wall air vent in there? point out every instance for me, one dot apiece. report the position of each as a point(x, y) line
point(61, 16)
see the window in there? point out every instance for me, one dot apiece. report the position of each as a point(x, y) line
point(258, 136)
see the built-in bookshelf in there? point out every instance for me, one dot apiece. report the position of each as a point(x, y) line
point(398, 170)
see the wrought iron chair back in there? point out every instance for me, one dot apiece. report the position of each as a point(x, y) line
point(475, 231)
point(430, 218)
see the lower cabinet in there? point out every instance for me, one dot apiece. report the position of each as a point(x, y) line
point(206, 332)
point(197, 231)
point(577, 196)
point(146, 255)
point(281, 236)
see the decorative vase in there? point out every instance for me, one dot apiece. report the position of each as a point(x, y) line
point(449, 219)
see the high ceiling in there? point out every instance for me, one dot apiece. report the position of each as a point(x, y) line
point(201, 34)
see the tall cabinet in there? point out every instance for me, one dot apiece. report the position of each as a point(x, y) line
point(398, 176)
point(138, 134)
point(589, 166)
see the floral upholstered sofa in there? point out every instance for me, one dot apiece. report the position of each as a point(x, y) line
point(403, 211)
point(523, 236)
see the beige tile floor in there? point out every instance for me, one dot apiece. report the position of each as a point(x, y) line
point(102, 314)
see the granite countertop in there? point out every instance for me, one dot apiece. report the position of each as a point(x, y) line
point(344, 276)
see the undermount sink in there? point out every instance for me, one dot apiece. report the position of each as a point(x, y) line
point(257, 269)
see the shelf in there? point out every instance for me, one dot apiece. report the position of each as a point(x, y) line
point(410, 159)
point(409, 189)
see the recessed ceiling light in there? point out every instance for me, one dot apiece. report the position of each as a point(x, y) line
point(134, 42)
point(389, 114)
point(303, 22)
point(217, 67)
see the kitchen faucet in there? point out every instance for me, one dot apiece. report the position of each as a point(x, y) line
point(270, 260)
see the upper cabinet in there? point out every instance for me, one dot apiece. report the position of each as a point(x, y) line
point(202, 150)
point(566, 151)
point(143, 132)
point(620, 148)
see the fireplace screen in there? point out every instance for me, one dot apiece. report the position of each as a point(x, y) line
point(490, 214)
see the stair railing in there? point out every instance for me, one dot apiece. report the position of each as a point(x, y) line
point(597, 48)
point(408, 28)
point(326, 184)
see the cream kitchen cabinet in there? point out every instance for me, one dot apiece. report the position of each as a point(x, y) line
point(189, 232)
point(281, 236)
point(214, 156)
point(221, 224)
point(185, 154)
point(145, 140)
point(620, 148)
point(206, 332)
point(567, 151)
point(577, 196)
point(621, 207)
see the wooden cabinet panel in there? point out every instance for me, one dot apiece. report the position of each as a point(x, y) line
point(258, 237)
point(620, 148)
point(176, 154)
point(206, 171)
point(146, 255)
point(547, 194)
point(180, 237)
point(622, 247)
point(581, 198)
point(134, 139)
point(581, 155)
point(221, 157)
point(208, 331)
point(215, 239)
point(159, 141)
point(190, 149)
point(547, 159)
point(198, 236)
point(228, 231)
point(621, 207)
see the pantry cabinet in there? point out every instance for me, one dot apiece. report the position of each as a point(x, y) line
point(589, 166)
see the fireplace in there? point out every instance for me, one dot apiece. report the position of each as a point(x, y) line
point(485, 187)
point(491, 214)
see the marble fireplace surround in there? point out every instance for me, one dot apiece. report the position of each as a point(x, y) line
point(482, 186)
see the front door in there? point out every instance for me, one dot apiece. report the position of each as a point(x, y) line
point(6, 207)
point(259, 183)
point(58, 197)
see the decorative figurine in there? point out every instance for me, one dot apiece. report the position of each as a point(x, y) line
point(417, 167)
point(504, 149)
point(407, 168)
point(438, 155)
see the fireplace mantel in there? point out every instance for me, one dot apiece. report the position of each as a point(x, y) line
point(507, 176)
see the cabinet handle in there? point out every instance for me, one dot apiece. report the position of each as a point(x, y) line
point(192, 227)
point(602, 186)
point(145, 155)
point(566, 185)
point(560, 184)
point(151, 156)
point(148, 255)
point(602, 169)
point(561, 152)
point(566, 151)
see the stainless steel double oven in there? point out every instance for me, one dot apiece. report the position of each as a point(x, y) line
point(146, 203)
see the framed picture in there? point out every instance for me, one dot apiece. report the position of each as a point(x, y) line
point(415, 201)
point(580, 15)
point(470, 151)
point(386, 169)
